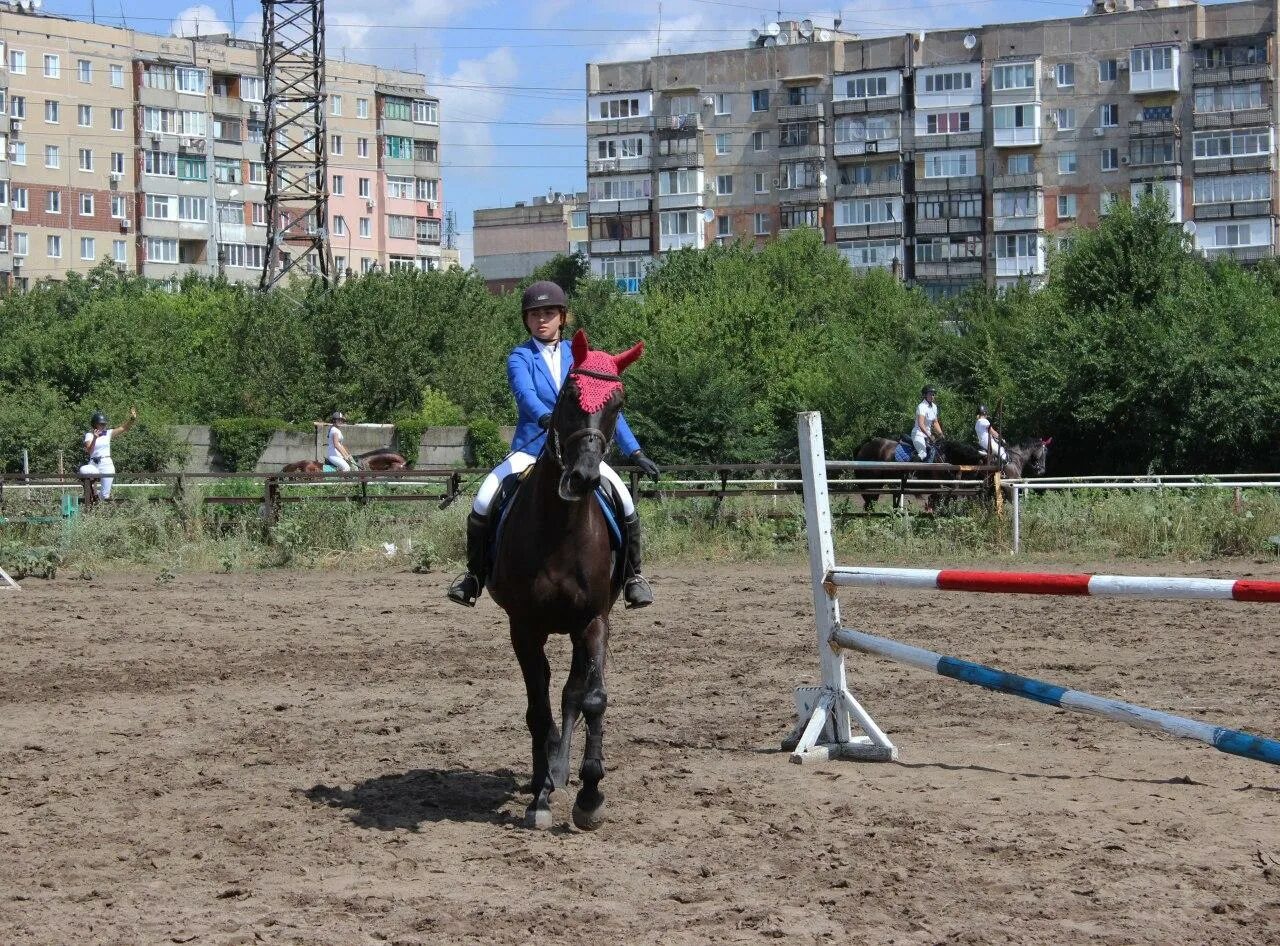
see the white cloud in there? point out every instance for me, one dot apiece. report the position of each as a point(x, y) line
point(198, 20)
point(475, 92)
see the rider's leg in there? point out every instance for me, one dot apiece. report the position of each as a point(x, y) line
point(636, 593)
point(466, 589)
point(920, 443)
point(108, 469)
point(338, 463)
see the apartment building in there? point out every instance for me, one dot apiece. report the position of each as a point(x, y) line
point(509, 243)
point(952, 158)
point(149, 151)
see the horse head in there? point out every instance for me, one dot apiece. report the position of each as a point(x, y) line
point(586, 414)
point(1039, 456)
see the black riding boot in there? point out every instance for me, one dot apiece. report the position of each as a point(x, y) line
point(467, 588)
point(636, 593)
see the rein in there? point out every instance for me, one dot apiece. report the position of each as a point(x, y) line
point(553, 435)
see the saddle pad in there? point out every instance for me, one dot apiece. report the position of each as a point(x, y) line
point(903, 453)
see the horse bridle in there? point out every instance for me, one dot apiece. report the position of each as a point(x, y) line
point(553, 435)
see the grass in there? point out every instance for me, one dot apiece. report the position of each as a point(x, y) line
point(170, 538)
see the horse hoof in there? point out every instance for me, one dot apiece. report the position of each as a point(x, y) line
point(588, 820)
point(538, 819)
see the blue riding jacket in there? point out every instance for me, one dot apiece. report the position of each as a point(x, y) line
point(536, 393)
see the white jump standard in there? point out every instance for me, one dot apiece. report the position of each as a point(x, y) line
point(826, 712)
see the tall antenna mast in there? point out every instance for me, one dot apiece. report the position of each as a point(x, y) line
point(297, 156)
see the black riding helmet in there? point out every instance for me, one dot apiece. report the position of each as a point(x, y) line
point(98, 418)
point(927, 390)
point(337, 417)
point(541, 295)
point(982, 409)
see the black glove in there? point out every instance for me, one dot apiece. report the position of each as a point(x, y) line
point(647, 466)
point(545, 421)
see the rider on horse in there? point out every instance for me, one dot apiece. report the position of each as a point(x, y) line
point(988, 435)
point(536, 369)
point(336, 453)
point(926, 429)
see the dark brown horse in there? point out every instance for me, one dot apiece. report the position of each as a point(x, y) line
point(303, 468)
point(553, 574)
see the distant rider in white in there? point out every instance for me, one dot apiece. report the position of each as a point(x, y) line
point(987, 434)
point(97, 447)
point(336, 453)
point(926, 427)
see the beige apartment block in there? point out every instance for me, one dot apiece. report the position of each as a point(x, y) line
point(951, 158)
point(511, 242)
point(148, 151)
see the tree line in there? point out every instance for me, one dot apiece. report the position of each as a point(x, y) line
point(1138, 354)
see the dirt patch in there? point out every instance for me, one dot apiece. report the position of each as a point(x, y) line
point(320, 758)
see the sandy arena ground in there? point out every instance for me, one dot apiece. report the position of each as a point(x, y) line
point(338, 758)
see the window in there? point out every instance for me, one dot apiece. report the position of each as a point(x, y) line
point(362, 147)
point(865, 253)
point(118, 206)
point(1232, 143)
point(620, 148)
point(362, 187)
point(195, 209)
point(1107, 200)
point(229, 211)
point(1215, 57)
point(84, 70)
point(762, 185)
point(1108, 115)
point(119, 249)
point(160, 163)
point(425, 151)
point(259, 215)
point(1221, 190)
point(426, 188)
point(362, 108)
point(400, 187)
point(1020, 75)
point(159, 207)
point(1065, 118)
point(724, 184)
point(255, 131)
point(1106, 70)
point(1109, 159)
point(1005, 117)
point(797, 174)
point(722, 104)
point(86, 248)
point(759, 140)
point(18, 62)
point(723, 142)
point(578, 219)
point(53, 202)
point(724, 226)
point(950, 164)
point(194, 169)
point(761, 221)
point(252, 88)
point(117, 119)
point(1066, 206)
point(156, 76)
point(52, 112)
point(257, 172)
point(117, 162)
point(52, 67)
point(1067, 162)
point(19, 244)
point(796, 134)
point(1020, 203)
point(53, 246)
point(948, 81)
point(865, 88)
point(117, 76)
point(876, 210)
point(335, 104)
point(425, 112)
point(4, 193)
point(1233, 234)
point(398, 146)
point(52, 156)
point(159, 120)
point(18, 152)
point(339, 225)
point(760, 103)
point(335, 144)
point(18, 106)
point(397, 109)
point(943, 123)
point(366, 228)
point(793, 218)
point(227, 171)
point(162, 251)
point(1228, 98)
point(190, 81)
point(943, 206)
point(682, 181)
point(399, 227)
point(1016, 245)
point(338, 184)
point(1150, 59)
point(619, 108)
point(619, 188)
point(86, 159)
point(1065, 73)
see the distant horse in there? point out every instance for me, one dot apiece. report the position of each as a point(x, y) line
point(884, 450)
point(381, 460)
point(552, 573)
point(1029, 458)
point(303, 468)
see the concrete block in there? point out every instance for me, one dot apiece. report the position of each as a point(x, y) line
point(445, 446)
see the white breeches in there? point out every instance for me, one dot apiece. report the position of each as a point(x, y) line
point(106, 469)
point(919, 441)
point(519, 462)
point(338, 463)
point(1000, 452)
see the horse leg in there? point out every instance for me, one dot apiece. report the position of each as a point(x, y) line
point(575, 688)
point(588, 807)
point(530, 652)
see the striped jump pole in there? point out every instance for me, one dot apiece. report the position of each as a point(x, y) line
point(825, 711)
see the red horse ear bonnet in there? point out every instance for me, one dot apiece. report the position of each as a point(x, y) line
point(594, 392)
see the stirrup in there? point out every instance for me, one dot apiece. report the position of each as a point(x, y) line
point(638, 586)
point(465, 590)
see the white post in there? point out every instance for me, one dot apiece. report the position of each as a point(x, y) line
point(1017, 519)
point(826, 709)
point(7, 582)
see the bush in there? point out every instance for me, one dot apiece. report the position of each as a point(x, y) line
point(436, 411)
point(241, 440)
point(487, 443)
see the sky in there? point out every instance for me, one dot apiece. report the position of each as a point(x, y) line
point(510, 74)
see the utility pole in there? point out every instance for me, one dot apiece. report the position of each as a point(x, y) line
point(296, 138)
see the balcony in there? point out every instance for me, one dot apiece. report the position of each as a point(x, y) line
point(795, 113)
point(1155, 171)
point(1017, 182)
point(618, 165)
point(845, 149)
point(1015, 266)
point(631, 245)
point(802, 195)
point(1154, 128)
point(686, 159)
point(1239, 209)
point(1250, 162)
point(1243, 116)
point(1241, 254)
point(1213, 75)
point(620, 126)
point(678, 241)
point(1148, 71)
point(869, 231)
point(959, 139)
point(1016, 137)
point(877, 103)
point(932, 184)
point(809, 152)
point(949, 269)
point(1019, 221)
point(936, 226)
point(679, 124)
point(612, 207)
point(878, 189)
point(677, 201)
